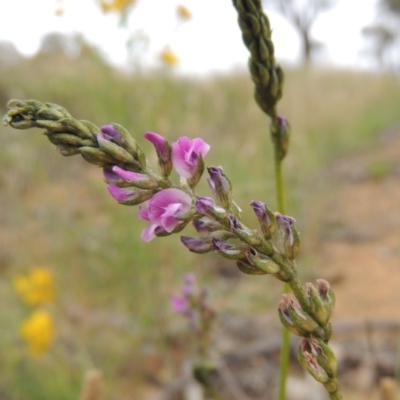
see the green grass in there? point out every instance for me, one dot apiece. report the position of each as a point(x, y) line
point(113, 289)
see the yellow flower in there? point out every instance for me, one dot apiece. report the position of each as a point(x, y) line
point(38, 331)
point(183, 13)
point(169, 58)
point(35, 288)
point(116, 5)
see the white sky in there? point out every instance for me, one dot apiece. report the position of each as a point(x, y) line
point(211, 41)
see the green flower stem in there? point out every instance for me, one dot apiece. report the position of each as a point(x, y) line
point(285, 349)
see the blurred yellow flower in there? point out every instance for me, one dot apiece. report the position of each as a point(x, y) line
point(115, 5)
point(38, 331)
point(169, 58)
point(183, 13)
point(35, 288)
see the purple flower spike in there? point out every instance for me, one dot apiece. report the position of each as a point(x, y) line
point(179, 304)
point(163, 211)
point(186, 154)
point(110, 133)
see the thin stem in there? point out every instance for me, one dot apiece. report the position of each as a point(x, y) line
point(285, 350)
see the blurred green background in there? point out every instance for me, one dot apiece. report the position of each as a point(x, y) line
point(112, 310)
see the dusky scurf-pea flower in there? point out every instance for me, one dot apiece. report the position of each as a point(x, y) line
point(186, 154)
point(163, 211)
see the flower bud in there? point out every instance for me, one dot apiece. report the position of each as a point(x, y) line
point(163, 150)
point(327, 295)
point(322, 300)
point(288, 239)
point(67, 151)
point(228, 250)
point(296, 319)
point(310, 363)
point(198, 245)
point(207, 206)
point(110, 133)
point(117, 153)
point(220, 186)
point(206, 225)
point(265, 217)
point(281, 131)
point(129, 196)
point(262, 262)
point(247, 268)
point(125, 140)
point(141, 181)
point(96, 156)
point(322, 355)
point(247, 235)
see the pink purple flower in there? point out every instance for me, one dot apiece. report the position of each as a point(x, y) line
point(186, 154)
point(163, 211)
point(179, 303)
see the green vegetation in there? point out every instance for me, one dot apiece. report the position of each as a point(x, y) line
point(112, 310)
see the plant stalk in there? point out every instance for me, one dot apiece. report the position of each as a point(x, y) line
point(285, 349)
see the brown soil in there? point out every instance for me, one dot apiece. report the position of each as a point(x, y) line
point(358, 232)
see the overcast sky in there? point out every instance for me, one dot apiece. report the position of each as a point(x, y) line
point(210, 41)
